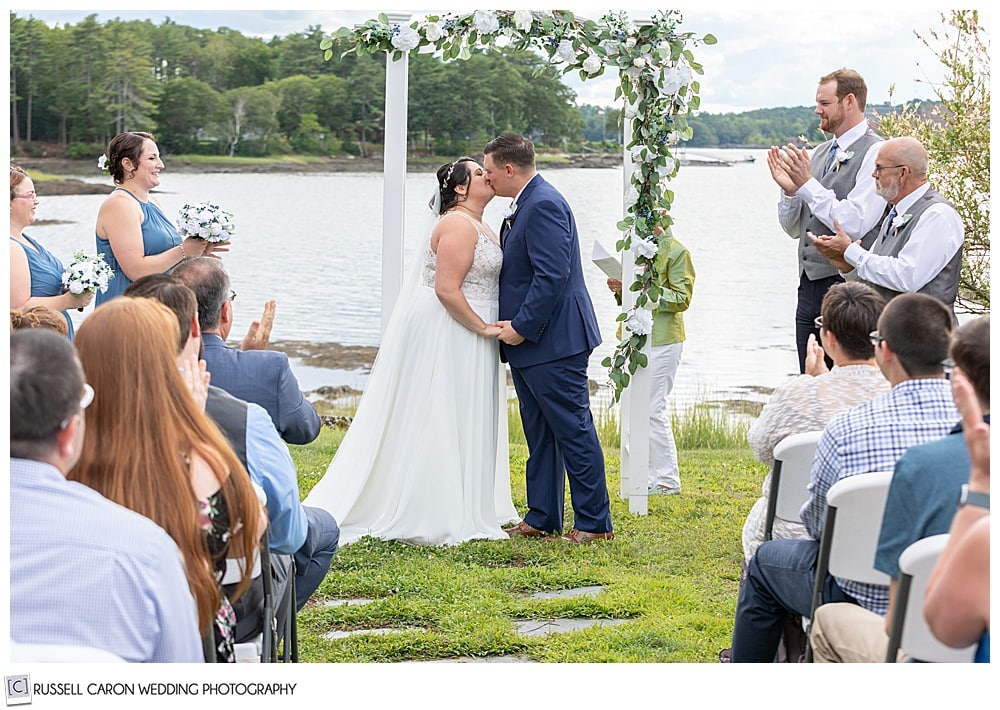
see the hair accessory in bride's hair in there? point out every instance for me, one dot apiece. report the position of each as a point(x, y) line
point(447, 175)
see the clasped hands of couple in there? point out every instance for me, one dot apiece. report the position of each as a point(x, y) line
point(502, 330)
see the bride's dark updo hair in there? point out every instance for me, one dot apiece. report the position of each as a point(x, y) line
point(450, 176)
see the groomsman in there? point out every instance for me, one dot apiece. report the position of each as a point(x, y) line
point(831, 184)
point(548, 331)
point(919, 245)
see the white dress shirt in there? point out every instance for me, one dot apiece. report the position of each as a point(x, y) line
point(935, 238)
point(857, 213)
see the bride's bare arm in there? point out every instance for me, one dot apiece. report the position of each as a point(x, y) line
point(456, 246)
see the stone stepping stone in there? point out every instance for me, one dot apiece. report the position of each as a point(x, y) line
point(544, 627)
point(362, 632)
point(567, 593)
point(347, 602)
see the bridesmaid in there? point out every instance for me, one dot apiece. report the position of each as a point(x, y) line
point(134, 235)
point(35, 273)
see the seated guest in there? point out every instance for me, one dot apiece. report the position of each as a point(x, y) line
point(260, 376)
point(926, 483)
point(910, 344)
point(150, 447)
point(850, 311)
point(311, 534)
point(957, 598)
point(74, 555)
point(38, 317)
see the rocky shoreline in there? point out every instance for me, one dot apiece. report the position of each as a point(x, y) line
point(333, 164)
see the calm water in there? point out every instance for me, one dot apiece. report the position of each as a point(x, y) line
point(313, 242)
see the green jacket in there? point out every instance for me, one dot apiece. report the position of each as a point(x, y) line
point(676, 277)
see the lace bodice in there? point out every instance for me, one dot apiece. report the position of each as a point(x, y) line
point(482, 283)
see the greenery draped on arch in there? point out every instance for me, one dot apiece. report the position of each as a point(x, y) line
point(656, 69)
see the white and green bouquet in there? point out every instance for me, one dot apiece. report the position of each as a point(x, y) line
point(207, 221)
point(87, 273)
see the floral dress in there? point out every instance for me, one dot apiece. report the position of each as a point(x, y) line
point(215, 525)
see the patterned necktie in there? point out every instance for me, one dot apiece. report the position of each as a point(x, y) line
point(887, 228)
point(831, 156)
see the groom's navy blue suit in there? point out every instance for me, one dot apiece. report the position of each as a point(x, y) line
point(543, 294)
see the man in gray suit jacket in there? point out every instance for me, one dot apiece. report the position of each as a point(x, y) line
point(263, 377)
point(918, 248)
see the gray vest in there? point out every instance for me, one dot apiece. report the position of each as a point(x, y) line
point(944, 286)
point(841, 181)
point(230, 415)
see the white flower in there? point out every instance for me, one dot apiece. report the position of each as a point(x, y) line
point(686, 74)
point(87, 273)
point(630, 42)
point(631, 110)
point(644, 248)
point(433, 32)
point(670, 82)
point(640, 62)
point(207, 221)
point(510, 211)
point(631, 195)
point(633, 73)
point(523, 20)
point(592, 64)
point(566, 51)
point(639, 153)
point(610, 46)
point(640, 322)
point(102, 163)
point(486, 22)
point(405, 39)
point(667, 168)
point(900, 220)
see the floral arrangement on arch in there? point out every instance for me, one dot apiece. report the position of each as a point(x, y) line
point(656, 69)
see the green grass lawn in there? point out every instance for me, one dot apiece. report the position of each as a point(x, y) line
point(673, 574)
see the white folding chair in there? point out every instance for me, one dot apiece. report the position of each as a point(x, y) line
point(908, 629)
point(793, 459)
point(850, 533)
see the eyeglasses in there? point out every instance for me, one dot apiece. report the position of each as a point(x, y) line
point(875, 338)
point(879, 168)
point(26, 196)
point(818, 321)
point(232, 295)
point(85, 400)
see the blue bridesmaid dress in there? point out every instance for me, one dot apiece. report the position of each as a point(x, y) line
point(46, 274)
point(158, 235)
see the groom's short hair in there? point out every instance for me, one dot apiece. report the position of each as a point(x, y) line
point(512, 148)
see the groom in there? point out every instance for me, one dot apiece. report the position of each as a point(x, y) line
point(548, 332)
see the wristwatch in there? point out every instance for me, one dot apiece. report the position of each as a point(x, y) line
point(980, 500)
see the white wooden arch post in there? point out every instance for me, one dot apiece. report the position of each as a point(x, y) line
point(634, 402)
point(394, 174)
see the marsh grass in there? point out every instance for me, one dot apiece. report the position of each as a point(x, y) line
point(672, 574)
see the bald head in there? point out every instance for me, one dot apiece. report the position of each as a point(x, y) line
point(900, 168)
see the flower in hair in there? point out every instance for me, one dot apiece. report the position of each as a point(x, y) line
point(102, 164)
point(447, 175)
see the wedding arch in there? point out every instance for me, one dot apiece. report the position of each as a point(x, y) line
point(656, 69)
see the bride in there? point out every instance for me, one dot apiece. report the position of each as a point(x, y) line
point(425, 459)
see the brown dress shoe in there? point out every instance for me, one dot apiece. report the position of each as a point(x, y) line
point(579, 536)
point(522, 529)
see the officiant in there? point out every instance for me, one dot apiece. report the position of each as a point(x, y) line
point(676, 279)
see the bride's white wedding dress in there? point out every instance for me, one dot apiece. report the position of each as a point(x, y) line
point(426, 458)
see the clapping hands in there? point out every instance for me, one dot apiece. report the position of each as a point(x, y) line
point(196, 376)
point(815, 358)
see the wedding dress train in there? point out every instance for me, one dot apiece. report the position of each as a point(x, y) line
point(426, 458)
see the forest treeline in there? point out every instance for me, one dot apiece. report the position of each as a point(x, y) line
point(219, 92)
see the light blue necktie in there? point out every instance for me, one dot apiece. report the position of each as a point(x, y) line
point(888, 223)
point(831, 156)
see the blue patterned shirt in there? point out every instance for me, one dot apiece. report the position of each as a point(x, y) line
point(85, 571)
point(869, 438)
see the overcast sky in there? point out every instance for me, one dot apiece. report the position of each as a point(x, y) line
point(768, 56)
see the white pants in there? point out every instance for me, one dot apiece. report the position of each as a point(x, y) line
point(662, 365)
